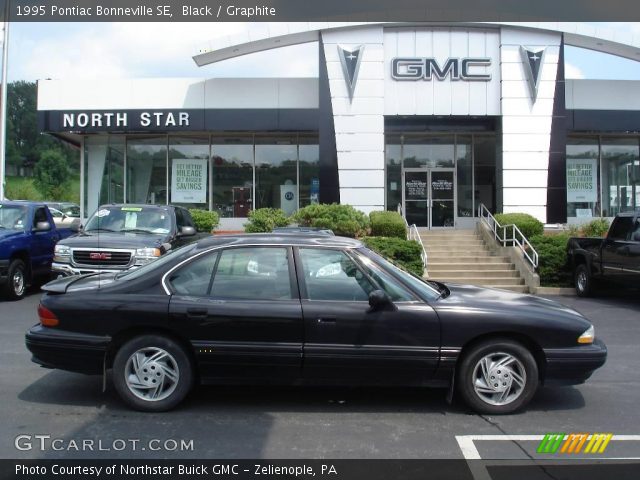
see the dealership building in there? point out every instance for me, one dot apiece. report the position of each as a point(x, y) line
point(433, 120)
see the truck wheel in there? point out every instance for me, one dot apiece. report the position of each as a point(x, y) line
point(152, 373)
point(497, 376)
point(16, 280)
point(582, 280)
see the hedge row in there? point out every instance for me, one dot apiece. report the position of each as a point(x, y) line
point(406, 253)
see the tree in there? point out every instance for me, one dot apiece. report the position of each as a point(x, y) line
point(51, 173)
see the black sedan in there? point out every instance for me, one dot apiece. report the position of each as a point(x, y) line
point(305, 309)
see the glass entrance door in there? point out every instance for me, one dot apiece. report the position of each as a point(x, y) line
point(428, 197)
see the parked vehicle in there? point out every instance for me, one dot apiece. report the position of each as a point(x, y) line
point(28, 236)
point(63, 220)
point(615, 258)
point(120, 237)
point(305, 309)
point(68, 208)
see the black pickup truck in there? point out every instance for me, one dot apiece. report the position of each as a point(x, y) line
point(120, 237)
point(615, 258)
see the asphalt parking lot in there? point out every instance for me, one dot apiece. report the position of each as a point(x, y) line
point(244, 422)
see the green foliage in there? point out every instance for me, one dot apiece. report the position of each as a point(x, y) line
point(552, 259)
point(406, 253)
point(20, 188)
point(342, 219)
point(388, 224)
point(204, 220)
point(51, 174)
point(528, 225)
point(596, 228)
point(264, 220)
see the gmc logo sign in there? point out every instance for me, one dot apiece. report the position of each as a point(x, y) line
point(100, 256)
point(415, 68)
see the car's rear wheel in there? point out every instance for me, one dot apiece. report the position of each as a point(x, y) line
point(17, 277)
point(497, 376)
point(152, 373)
point(583, 281)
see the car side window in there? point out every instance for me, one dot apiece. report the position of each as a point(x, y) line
point(396, 291)
point(332, 275)
point(194, 278)
point(179, 219)
point(256, 273)
point(187, 221)
point(40, 215)
point(621, 228)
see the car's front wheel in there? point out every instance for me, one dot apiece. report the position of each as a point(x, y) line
point(497, 376)
point(17, 277)
point(152, 373)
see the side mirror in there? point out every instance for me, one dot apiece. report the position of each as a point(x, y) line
point(43, 227)
point(379, 300)
point(187, 231)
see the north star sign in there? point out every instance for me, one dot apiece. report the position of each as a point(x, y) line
point(122, 120)
point(421, 68)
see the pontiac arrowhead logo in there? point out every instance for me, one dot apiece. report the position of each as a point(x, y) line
point(533, 60)
point(350, 60)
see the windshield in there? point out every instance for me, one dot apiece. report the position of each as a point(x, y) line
point(421, 286)
point(13, 217)
point(130, 219)
point(150, 267)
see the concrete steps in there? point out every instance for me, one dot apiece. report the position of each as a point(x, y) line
point(461, 256)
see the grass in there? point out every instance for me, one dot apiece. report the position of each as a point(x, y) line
point(22, 188)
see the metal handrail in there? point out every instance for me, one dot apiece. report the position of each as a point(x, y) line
point(516, 237)
point(414, 234)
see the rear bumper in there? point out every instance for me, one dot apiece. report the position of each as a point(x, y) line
point(574, 365)
point(76, 352)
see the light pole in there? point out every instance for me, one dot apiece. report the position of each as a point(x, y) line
point(3, 107)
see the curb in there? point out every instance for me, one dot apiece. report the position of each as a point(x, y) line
point(555, 291)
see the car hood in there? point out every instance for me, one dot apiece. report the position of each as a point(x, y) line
point(79, 282)
point(114, 240)
point(520, 304)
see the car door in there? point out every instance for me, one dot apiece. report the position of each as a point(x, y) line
point(616, 249)
point(345, 341)
point(42, 243)
point(241, 310)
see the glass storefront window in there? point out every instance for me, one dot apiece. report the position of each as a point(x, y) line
point(189, 157)
point(232, 175)
point(393, 161)
point(103, 171)
point(620, 175)
point(309, 166)
point(582, 177)
point(464, 165)
point(486, 173)
point(147, 170)
point(277, 173)
point(428, 151)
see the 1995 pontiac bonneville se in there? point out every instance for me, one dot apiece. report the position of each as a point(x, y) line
point(305, 309)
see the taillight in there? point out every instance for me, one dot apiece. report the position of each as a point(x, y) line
point(47, 317)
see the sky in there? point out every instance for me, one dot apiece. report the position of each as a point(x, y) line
point(128, 50)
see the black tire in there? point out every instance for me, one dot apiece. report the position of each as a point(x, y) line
point(177, 359)
point(17, 280)
point(582, 281)
point(466, 372)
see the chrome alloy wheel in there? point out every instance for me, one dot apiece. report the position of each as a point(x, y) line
point(499, 378)
point(17, 282)
point(151, 374)
point(582, 281)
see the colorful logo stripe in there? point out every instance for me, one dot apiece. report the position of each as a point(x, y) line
point(573, 443)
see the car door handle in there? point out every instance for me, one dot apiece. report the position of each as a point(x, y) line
point(327, 320)
point(197, 312)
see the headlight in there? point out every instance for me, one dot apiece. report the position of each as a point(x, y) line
point(62, 254)
point(146, 255)
point(588, 336)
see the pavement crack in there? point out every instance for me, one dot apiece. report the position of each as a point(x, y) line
point(520, 447)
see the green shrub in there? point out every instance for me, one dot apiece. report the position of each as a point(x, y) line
point(528, 225)
point(552, 259)
point(388, 224)
point(596, 228)
point(342, 219)
point(204, 220)
point(406, 253)
point(21, 189)
point(264, 220)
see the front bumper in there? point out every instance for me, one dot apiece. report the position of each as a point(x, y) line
point(574, 365)
point(65, 269)
point(75, 352)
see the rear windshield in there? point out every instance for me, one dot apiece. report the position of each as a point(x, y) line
point(130, 219)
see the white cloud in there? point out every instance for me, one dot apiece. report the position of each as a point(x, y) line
point(571, 71)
